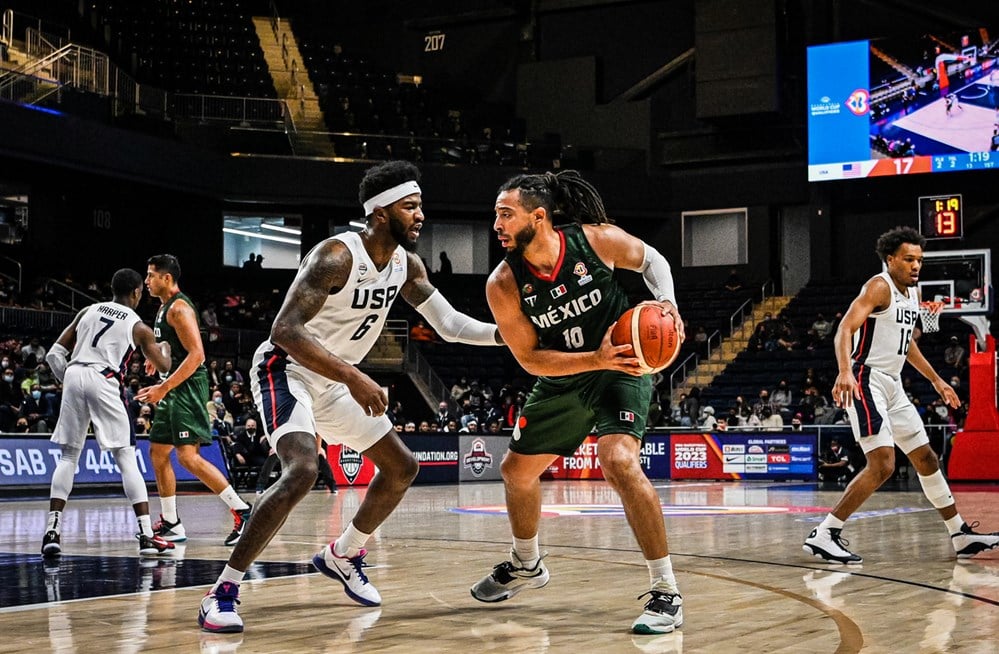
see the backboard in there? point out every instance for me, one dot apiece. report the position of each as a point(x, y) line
point(961, 279)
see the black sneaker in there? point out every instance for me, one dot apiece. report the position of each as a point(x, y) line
point(50, 544)
point(151, 546)
point(968, 542)
point(239, 522)
point(172, 532)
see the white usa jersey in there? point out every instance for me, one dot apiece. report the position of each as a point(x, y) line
point(352, 318)
point(883, 340)
point(104, 337)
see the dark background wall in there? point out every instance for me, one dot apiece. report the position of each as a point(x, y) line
point(165, 195)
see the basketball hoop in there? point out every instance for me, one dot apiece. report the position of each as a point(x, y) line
point(930, 312)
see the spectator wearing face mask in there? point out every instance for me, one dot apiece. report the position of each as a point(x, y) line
point(11, 398)
point(37, 411)
point(220, 419)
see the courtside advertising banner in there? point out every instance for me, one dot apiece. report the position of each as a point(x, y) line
point(31, 462)
point(748, 455)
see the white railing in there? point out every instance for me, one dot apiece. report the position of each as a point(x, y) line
point(7, 28)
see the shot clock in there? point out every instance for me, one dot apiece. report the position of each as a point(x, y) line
point(940, 216)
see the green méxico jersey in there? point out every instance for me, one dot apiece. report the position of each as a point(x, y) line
point(165, 332)
point(572, 308)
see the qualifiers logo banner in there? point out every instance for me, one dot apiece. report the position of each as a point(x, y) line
point(728, 455)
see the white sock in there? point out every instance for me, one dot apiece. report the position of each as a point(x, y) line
point(954, 524)
point(146, 525)
point(350, 543)
point(831, 522)
point(168, 507)
point(55, 522)
point(661, 570)
point(527, 551)
point(232, 499)
point(230, 574)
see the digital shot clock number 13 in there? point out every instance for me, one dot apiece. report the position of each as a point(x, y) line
point(940, 216)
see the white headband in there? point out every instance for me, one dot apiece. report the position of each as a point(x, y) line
point(387, 197)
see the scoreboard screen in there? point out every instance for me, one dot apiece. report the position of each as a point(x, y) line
point(866, 119)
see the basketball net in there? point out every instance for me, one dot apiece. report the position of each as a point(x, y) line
point(930, 311)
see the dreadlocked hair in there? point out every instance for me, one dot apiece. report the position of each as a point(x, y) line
point(565, 195)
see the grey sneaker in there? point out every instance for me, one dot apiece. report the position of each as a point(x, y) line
point(509, 578)
point(828, 545)
point(968, 542)
point(663, 612)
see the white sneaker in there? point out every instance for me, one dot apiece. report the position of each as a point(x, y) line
point(968, 542)
point(663, 612)
point(509, 578)
point(828, 545)
point(218, 610)
point(350, 573)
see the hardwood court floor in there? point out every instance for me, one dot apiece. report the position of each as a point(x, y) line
point(747, 585)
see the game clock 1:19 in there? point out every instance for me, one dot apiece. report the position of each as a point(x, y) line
point(940, 216)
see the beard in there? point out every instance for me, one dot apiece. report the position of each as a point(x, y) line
point(398, 232)
point(523, 238)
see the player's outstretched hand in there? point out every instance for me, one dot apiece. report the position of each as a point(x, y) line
point(368, 394)
point(845, 389)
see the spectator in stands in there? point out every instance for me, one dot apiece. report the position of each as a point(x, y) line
point(782, 398)
point(11, 398)
point(962, 392)
point(214, 376)
point(514, 410)
point(444, 414)
point(770, 420)
point(232, 399)
point(141, 425)
point(762, 401)
point(451, 427)
point(701, 338)
point(251, 262)
point(395, 413)
point(409, 427)
point(490, 412)
point(954, 354)
point(796, 422)
point(37, 411)
point(424, 427)
point(49, 384)
point(446, 270)
point(210, 322)
point(758, 340)
point(708, 420)
point(32, 353)
point(460, 390)
point(421, 333)
point(786, 337)
point(250, 445)
point(471, 427)
point(823, 328)
point(21, 426)
point(835, 463)
point(734, 282)
point(691, 411)
point(231, 373)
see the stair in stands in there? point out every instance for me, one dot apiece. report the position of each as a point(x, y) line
point(291, 80)
point(731, 346)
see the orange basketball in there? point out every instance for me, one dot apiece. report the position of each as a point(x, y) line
point(651, 334)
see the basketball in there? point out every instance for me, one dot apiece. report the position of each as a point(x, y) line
point(652, 335)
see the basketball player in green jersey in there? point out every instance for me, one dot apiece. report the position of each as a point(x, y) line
point(180, 421)
point(555, 301)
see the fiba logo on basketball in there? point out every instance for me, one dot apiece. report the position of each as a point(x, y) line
point(350, 462)
point(478, 458)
